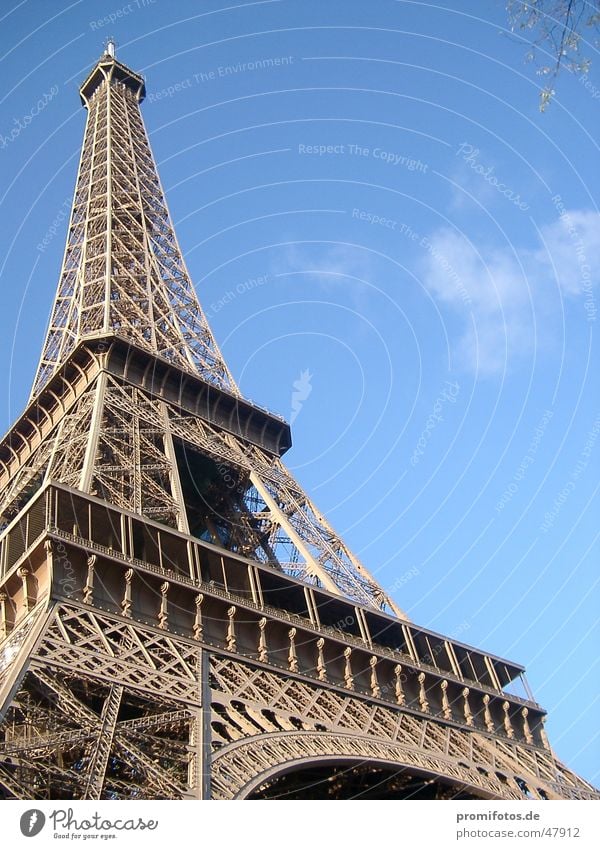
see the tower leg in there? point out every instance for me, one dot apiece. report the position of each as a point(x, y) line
point(200, 736)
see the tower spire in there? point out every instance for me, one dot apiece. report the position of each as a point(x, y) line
point(123, 273)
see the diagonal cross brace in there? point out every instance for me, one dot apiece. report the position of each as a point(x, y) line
point(104, 743)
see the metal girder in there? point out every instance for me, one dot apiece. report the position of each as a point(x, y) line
point(104, 743)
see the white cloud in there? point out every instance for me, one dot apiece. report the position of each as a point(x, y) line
point(571, 250)
point(503, 294)
point(333, 268)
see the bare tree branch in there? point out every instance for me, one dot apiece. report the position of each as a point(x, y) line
point(557, 30)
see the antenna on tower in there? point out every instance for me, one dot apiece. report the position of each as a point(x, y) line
point(111, 47)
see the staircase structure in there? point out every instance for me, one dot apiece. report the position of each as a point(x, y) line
point(177, 619)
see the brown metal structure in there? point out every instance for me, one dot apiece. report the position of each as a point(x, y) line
point(177, 619)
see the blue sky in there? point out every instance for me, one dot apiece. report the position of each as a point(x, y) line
point(393, 247)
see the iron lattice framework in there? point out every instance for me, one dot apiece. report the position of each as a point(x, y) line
point(177, 619)
point(123, 272)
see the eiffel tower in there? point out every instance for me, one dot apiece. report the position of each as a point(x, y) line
point(177, 619)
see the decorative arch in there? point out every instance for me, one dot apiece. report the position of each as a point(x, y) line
point(241, 767)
